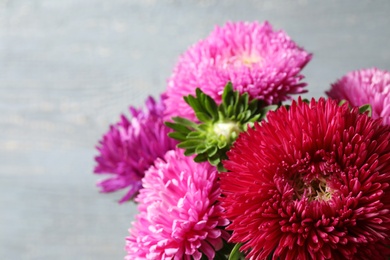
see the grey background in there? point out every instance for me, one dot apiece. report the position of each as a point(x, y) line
point(69, 68)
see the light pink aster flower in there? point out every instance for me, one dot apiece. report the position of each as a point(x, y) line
point(313, 182)
point(131, 146)
point(366, 86)
point(256, 59)
point(179, 217)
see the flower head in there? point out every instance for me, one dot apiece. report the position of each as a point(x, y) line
point(310, 183)
point(218, 126)
point(179, 215)
point(257, 60)
point(367, 86)
point(131, 146)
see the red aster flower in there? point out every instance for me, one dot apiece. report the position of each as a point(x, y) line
point(311, 183)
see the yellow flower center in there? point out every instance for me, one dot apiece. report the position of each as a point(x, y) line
point(317, 189)
point(246, 60)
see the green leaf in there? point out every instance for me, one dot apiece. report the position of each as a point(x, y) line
point(214, 161)
point(192, 143)
point(185, 122)
point(201, 149)
point(222, 144)
point(342, 102)
point(266, 109)
point(212, 150)
point(234, 136)
point(196, 135)
point(192, 102)
point(366, 109)
point(201, 157)
point(211, 107)
point(178, 127)
point(203, 117)
point(227, 93)
point(204, 127)
point(205, 138)
point(229, 111)
point(189, 151)
point(178, 136)
point(235, 254)
point(220, 167)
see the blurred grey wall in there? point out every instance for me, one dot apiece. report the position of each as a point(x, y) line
point(69, 68)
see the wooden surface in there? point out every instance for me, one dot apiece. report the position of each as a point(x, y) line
point(68, 68)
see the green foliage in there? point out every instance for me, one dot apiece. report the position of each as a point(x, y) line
point(364, 109)
point(218, 126)
point(235, 254)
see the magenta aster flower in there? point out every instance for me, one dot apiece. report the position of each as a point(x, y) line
point(367, 86)
point(256, 59)
point(130, 147)
point(179, 217)
point(311, 183)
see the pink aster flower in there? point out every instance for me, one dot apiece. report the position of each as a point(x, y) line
point(311, 183)
point(130, 147)
point(179, 217)
point(367, 86)
point(256, 59)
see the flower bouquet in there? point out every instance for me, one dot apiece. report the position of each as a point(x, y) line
point(223, 165)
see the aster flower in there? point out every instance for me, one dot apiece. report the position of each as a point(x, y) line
point(366, 86)
point(179, 217)
point(131, 146)
point(264, 63)
point(310, 183)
